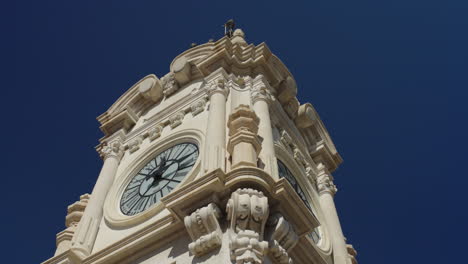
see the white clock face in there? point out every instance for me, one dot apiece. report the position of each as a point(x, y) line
point(158, 178)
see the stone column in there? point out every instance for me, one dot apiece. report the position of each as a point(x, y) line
point(327, 190)
point(84, 238)
point(215, 143)
point(261, 98)
point(243, 144)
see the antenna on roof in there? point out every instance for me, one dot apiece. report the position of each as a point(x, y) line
point(229, 27)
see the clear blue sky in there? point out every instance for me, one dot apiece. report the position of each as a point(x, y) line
point(389, 79)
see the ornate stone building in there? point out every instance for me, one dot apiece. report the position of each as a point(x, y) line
point(216, 162)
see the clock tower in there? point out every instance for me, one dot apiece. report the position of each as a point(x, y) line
point(215, 162)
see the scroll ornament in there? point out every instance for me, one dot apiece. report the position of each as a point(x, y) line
point(203, 227)
point(282, 239)
point(247, 212)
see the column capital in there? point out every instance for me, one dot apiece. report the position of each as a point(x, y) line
point(325, 183)
point(261, 90)
point(114, 148)
point(217, 86)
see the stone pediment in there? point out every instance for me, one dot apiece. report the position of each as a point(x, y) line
point(124, 113)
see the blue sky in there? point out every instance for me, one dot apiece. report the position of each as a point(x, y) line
point(389, 79)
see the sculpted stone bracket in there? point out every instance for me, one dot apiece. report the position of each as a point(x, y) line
point(282, 239)
point(203, 227)
point(247, 211)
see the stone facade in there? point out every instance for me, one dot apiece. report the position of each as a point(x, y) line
point(237, 103)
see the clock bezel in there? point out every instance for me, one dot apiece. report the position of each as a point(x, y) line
point(112, 213)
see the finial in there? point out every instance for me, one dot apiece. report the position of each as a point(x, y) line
point(229, 27)
point(238, 37)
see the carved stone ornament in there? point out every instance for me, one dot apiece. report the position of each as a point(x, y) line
point(169, 84)
point(299, 157)
point(291, 107)
point(203, 227)
point(134, 145)
point(112, 149)
point(282, 239)
point(154, 132)
point(260, 90)
point(218, 86)
point(176, 120)
point(198, 107)
point(247, 211)
point(260, 93)
point(310, 173)
point(325, 183)
point(286, 139)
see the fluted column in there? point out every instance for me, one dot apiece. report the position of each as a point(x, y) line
point(261, 98)
point(215, 143)
point(85, 236)
point(327, 190)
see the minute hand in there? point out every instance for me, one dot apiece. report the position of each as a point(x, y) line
point(184, 157)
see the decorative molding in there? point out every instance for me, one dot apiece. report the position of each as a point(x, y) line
point(134, 145)
point(261, 90)
point(155, 132)
point(291, 107)
point(176, 120)
point(282, 239)
point(169, 84)
point(247, 211)
point(299, 157)
point(287, 90)
point(325, 183)
point(198, 107)
point(151, 89)
point(306, 116)
point(203, 227)
point(113, 148)
point(286, 139)
point(218, 86)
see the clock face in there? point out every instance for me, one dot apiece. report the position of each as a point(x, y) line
point(284, 172)
point(158, 178)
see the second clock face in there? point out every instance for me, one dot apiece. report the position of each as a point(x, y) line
point(158, 178)
point(284, 172)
